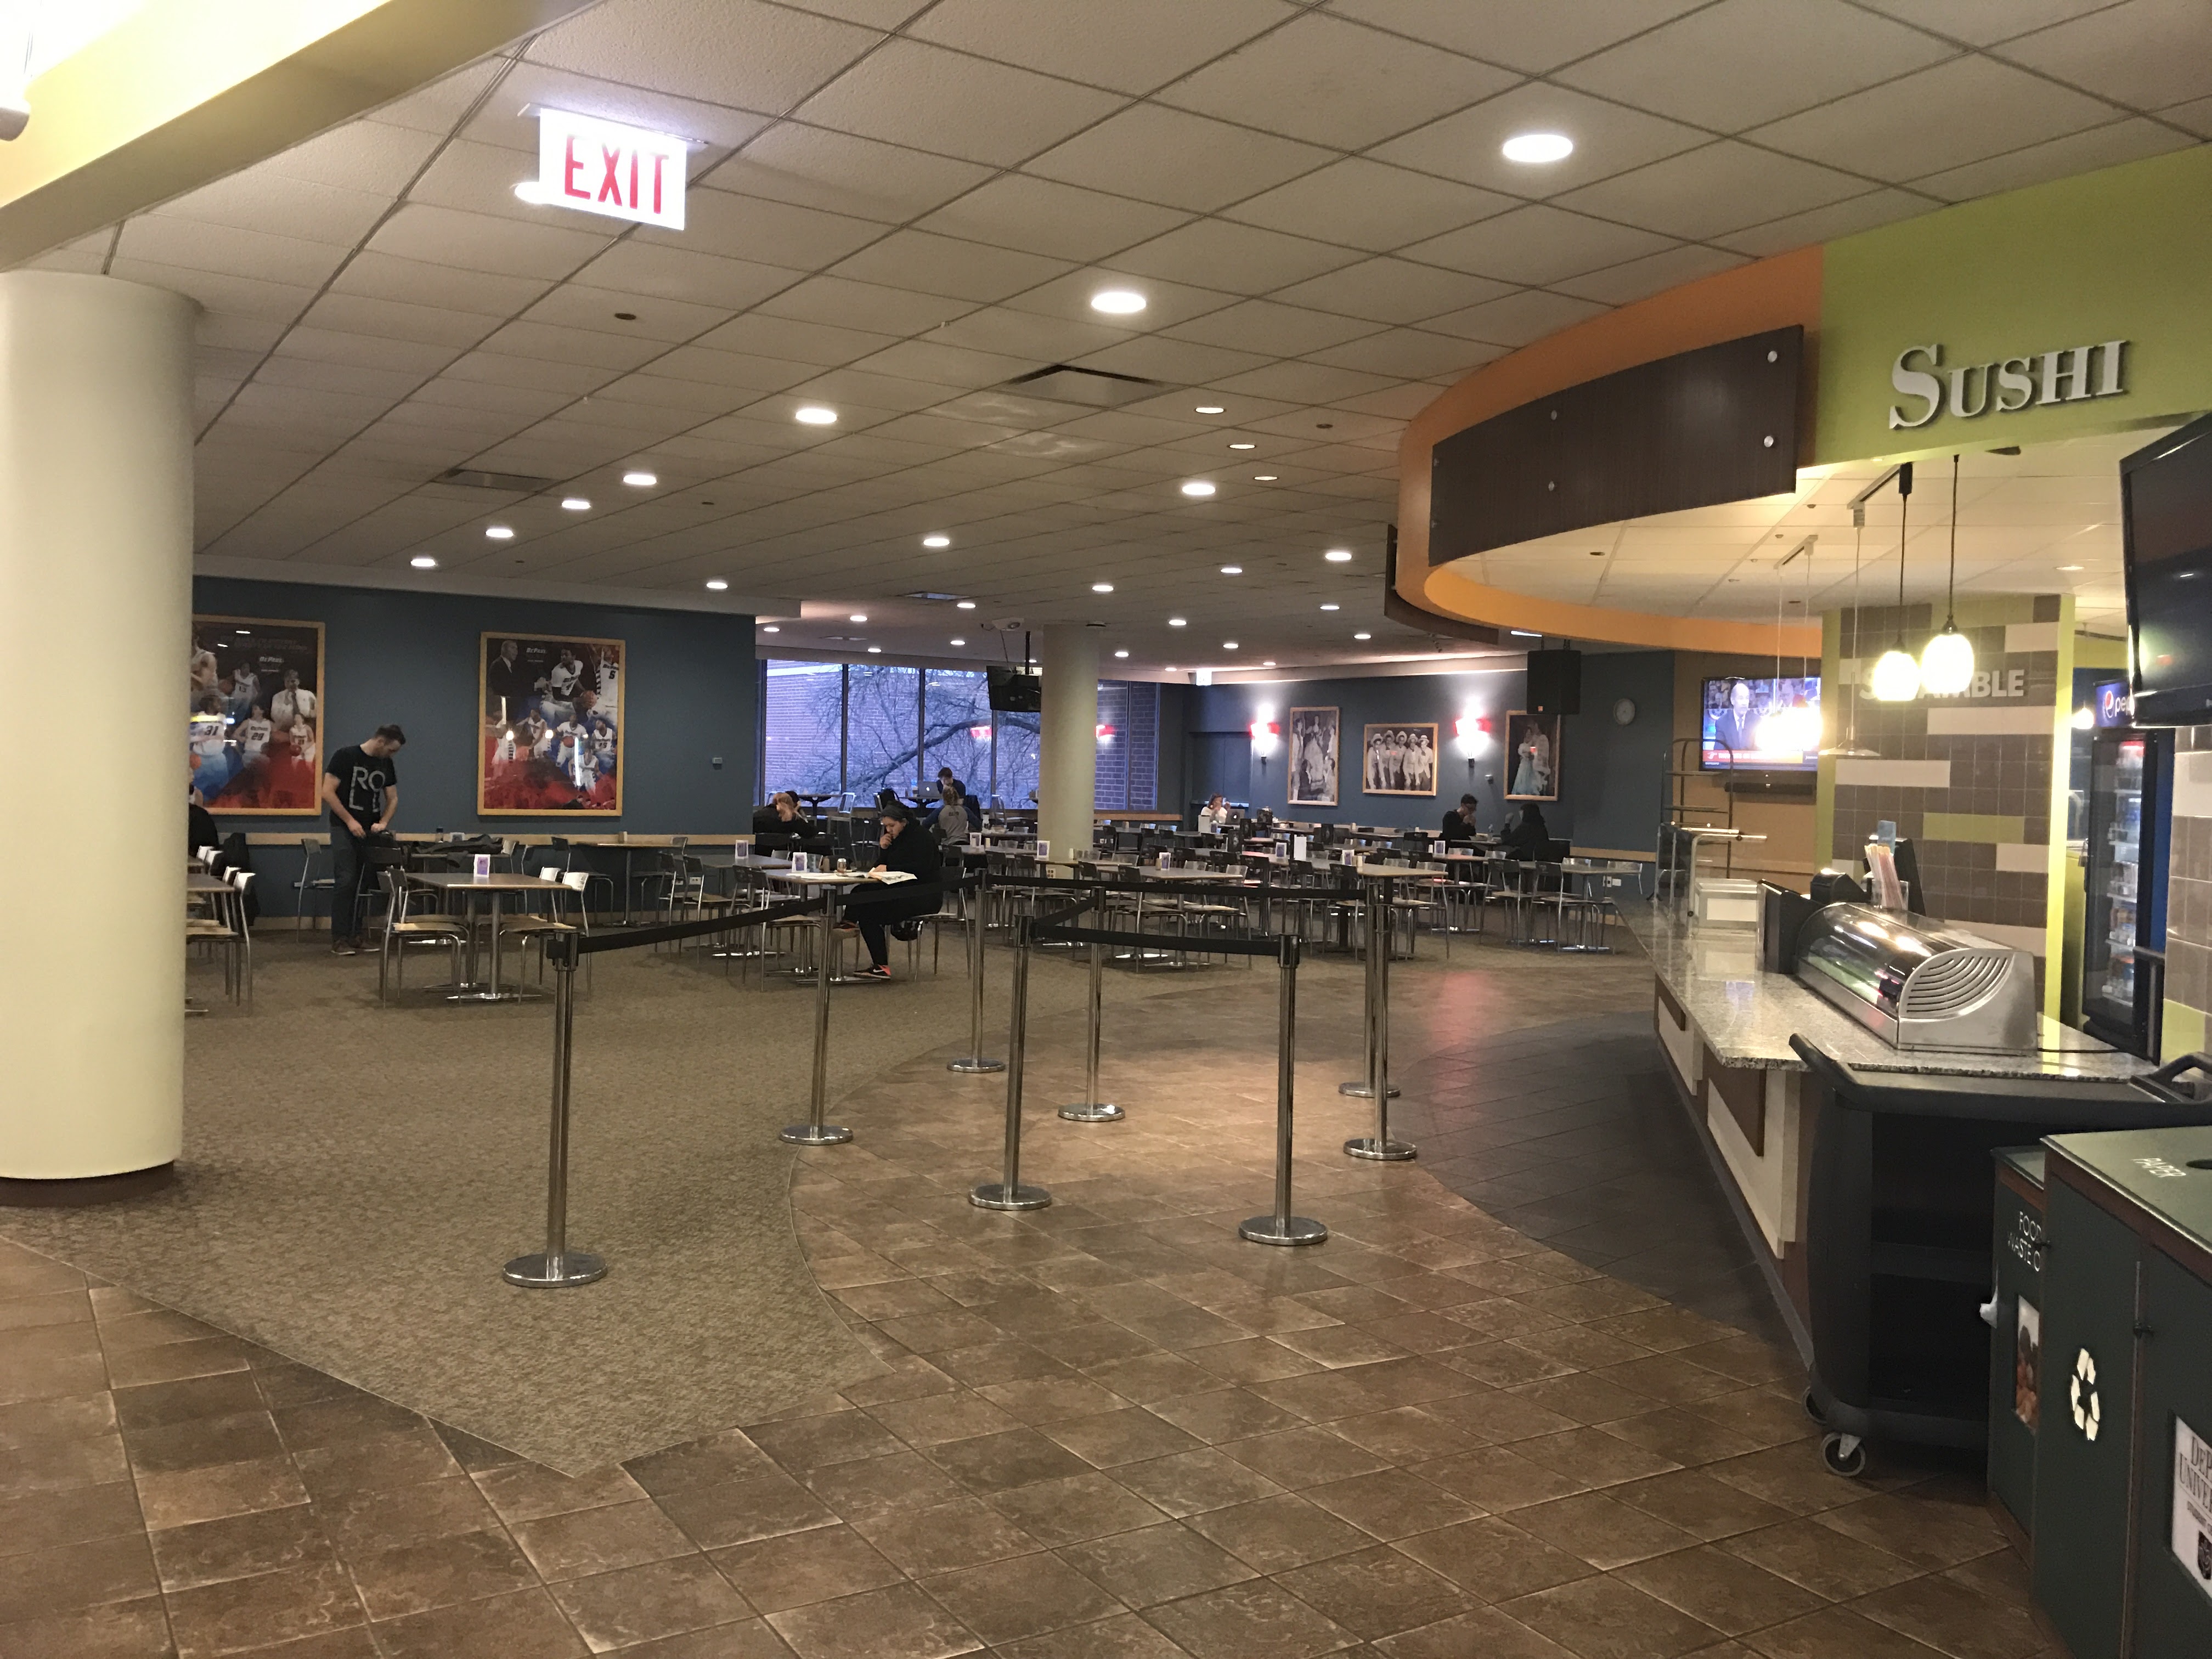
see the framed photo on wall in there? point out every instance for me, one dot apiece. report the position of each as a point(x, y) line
point(549, 710)
point(1532, 746)
point(1313, 757)
point(254, 712)
point(1398, 759)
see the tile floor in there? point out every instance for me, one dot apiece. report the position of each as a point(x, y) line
point(1110, 1431)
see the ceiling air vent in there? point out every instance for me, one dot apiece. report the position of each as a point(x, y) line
point(1064, 383)
point(517, 483)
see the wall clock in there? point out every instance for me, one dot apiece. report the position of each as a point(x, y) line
point(1624, 712)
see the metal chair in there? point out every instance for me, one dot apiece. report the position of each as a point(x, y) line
point(400, 930)
point(309, 882)
point(226, 930)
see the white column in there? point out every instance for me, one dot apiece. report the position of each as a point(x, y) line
point(1068, 763)
point(95, 618)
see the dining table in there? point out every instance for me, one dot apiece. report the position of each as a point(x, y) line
point(494, 888)
point(816, 882)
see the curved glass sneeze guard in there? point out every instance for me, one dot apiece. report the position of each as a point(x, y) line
point(1869, 954)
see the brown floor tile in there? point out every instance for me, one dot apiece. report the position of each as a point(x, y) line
point(1494, 1559)
point(1789, 1477)
point(239, 1546)
point(202, 1357)
point(1595, 1457)
point(1150, 1376)
point(743, 1638)
point(1826, 1562)
point(1254, 1360)
point(226, 1394)
point(116, 1629)
point(1586, 1398)
point(1702, 1506)
point(1496, 1478)
point(1669, 1377)
point(1039, 1401)
point(1482, 1631)
point(47, 1519)
point(792, 1572)
point(530, 1492)
point(1499, 1417)
point(1298, 1458)
point(360, 1522)
point(65, 1417)
point(1720, 1589)
point(1605, 1617)
point(405, 1457)
point(1005, 1601)
point(586, 1541)
point(1681, 1437)
point(1112, 1438)
point(49, 1465)
point(1255, 1621)
point(644, 1603)
point(1964, 1622)
point(526, 1625)
point(339, 1421)
point(1073, 1509)
point(70, 1577)
point(1005, 1361)
point(176, 1500)
point(997, 1463)
point(1155, 1564)
point(1224, 1414)
point(1605, 1533)
point(935, 1418)
point(900, 1622)
point(436, 1572)
point(1936, 1525)
point(1391, 1503)
point(1838, 1633)
point(1125, 1636)
point(910, 1377)
point(1189, 1482)
point(1273, 1534)
point(1339, 1346)
point(877, 1485)
point(1377, 1593)
point(807, 1443)
point(1504, 1364)
point(1409, 1434)
point(944, 1537)
point(263, 1610)
point(767, 1506)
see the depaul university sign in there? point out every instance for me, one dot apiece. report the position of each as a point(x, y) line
point(2065, 376)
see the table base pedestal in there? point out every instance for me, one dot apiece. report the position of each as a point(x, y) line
point(540, 1271)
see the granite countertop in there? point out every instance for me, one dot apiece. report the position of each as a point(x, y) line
point(1748, 1016)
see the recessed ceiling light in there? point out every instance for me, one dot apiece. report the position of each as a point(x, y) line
point(575, 504)
point(1243, 446)
point(423, 562)
point(875, 651)
point(640, 480)
point(959, 641)
point(857, 616)
point(1332, 607)
point(964, 604)
point(530, 190)
point(1232, 569)
point(498, 532)
point(771, 628)
point(1177, 622)
point(1197, 488)
point(815, 415)
point(716, 585)
point(1534, 149)
point(1338, 556)
point(1118, 302)
point(1263, 477)
point(1229, 644)
point(1363, 637)
point(1269, 663)
point(1210, 408)
point(1121, 654)
point(1102, 588)
point(937, 540)
point(2070, 567)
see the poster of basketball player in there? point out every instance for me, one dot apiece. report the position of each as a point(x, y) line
point(254, 713)
point(1313, 757)
point(549, 735)
point(1399, 760)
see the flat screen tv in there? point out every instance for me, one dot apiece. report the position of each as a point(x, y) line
point(2165, 513)
point(1014, 690)
point(1759, 725)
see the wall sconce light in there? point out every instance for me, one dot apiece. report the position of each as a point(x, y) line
point(1264, 733)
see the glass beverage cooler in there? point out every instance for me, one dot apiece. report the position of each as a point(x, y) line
point(2123, 936)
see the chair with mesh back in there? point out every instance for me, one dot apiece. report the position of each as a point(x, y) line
point(401, 930)
point(310, 846)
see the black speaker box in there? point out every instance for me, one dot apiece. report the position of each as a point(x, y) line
point(1555, 682)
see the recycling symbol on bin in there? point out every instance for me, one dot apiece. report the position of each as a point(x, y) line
point(2081, 1394)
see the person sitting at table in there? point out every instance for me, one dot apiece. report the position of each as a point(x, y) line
point(1527, 835)
point(952, 823)
point(874, 906)
point(1213, 815)
point(779, 822)
point(1458, 822)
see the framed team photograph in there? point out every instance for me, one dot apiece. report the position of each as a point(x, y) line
point(1313, 757)
point(549, 725)
point(1533, 742)
point(1398, 759)
point(254, 713)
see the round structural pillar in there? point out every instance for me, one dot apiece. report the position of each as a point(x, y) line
point(1067, 760)
point(95, 620)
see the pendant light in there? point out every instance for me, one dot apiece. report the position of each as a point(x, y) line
point(1896, 675)
point(1946, 664)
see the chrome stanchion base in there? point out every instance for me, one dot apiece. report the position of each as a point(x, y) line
point(1378, 1152)
point(995, 1195)
point(1097, 1111)
point(1298, 1230)
point(542, 1272)
point(815, 1135)
point(975, 1064)
point(1359, 1090)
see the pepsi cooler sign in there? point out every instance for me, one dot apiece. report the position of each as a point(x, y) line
point(2113, 705)
point(605, 167)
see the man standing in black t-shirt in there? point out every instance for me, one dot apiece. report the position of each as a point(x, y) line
point(361, 787)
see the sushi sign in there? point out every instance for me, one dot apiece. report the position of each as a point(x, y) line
point(605, 167)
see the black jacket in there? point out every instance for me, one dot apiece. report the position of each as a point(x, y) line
point(1457, 828)
point(1529, 837)
point(915, 851)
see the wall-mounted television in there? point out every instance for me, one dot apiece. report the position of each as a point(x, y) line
point(1014, 690)
point(2165, 496)
point(1759, 725)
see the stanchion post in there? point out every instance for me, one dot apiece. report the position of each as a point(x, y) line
point(1007, 1192)
point(974, 1061)
point(1379, 1147)
point(814, 1132)
point(1282, 1227)
point(1091, 1108)
point(558, 1266)
point(1371, 1017)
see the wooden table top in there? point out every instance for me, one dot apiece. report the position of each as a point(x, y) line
point(500, 881)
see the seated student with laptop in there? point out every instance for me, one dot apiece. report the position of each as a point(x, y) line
point(909, 873)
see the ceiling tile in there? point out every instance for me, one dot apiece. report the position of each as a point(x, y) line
point(1877, 207)
point(1393, 291)
point(1146, 152)
point(1144, 43)
point(1608, 139)
point(1271, 330)
point(1533, 38)
point(1984, 22)
point(922, 263)
point(1518, 318)
point(1715, 67)
point(366, 157)
point(1167, 303)
point(2060, 158)
point(842, 303)
point(383, 277)
point(1369, 205)
point(766, 335)
point(508, 119)
point(1041, 217)
point(756, 56)
point(2193, 117)
point(220, 291)
point(1331, 81)
point(396, 319)
point(954, 105)
point(766, 232)
point(812, 166)
point(575, 345)
point(479, 242)
point(1702, 193)
point(550, 374)
point(197, 246)
point(575, 306)
point(945, 365)
point(480, 179)
point(1537, 243)
point(1305, 383)
point(1966, 110)
point(325, 345)
point(1039, 338)
point(2141, 53)
point(1409, 353)
point(259, 200)
point(1218, 254)
point(1178, 363)
point(435, 107)
point(1636, 279)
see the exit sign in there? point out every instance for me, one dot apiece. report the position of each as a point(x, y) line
point(605, 167)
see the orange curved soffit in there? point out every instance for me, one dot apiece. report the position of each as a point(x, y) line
point(1767, 293)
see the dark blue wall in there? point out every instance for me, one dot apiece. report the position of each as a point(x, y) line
point(688, 690)
point(1612, 777)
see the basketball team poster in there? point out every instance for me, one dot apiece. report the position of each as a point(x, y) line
point(254, 712)
point(550, 733)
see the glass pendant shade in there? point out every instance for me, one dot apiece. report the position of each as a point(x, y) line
point(1947, 665)
point(1896, 677)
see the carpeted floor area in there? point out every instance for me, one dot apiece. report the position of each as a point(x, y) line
point(354, 1177)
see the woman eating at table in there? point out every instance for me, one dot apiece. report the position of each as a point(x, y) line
point(914, 867)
